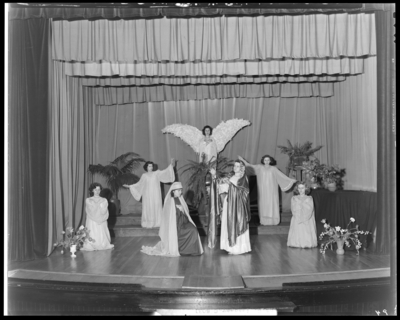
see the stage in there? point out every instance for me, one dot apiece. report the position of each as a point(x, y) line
point(270, 264)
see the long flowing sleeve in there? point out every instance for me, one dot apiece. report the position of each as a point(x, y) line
point(97, 212)
point(138, 188)
point(303, 210)
point(167, 175)
point(284, 182)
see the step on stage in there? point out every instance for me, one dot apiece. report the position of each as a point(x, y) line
point(271, 267)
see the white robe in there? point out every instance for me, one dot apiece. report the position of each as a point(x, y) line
point(210, 150)
point(303, 230)
point(268, 180)
point(96, 223)
point(148, 188)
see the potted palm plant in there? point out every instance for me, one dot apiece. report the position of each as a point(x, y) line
point(298, 153)
point(118, 172)
point(200, 175)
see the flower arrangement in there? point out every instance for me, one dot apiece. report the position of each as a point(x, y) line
point(72, 237)
point(337, 233)
point(332, 174)
point(324, 174)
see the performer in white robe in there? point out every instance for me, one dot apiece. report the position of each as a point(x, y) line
point(303, 230)
point(148, 188)
point(178, 232)
point(207, 146)
point(268, 180)
point(96, 209)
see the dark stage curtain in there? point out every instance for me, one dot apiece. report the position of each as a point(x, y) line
point(151, 13)
point(28, 108)
point(386, 183)
point(386, 236)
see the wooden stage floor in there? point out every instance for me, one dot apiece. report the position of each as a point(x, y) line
point(270, 264)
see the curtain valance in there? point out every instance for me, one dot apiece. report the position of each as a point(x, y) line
point(147, 13)
point(151, 81)
point(287, 67)
point(217, 38)
point(123, 95)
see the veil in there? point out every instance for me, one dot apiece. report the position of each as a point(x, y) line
point(168, 246)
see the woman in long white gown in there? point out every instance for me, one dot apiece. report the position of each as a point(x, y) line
point(235, 234)
point(148, 188)
point(303, 230)
point(268, 180)
point(207, 146)
point(96, 209)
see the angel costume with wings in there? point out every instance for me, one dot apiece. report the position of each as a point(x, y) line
point(222, 134)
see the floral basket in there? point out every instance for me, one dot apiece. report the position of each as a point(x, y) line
point(72, 237)
point(335, 234)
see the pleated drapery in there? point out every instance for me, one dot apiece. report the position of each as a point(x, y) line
point(215, 39)
point(70, 153)
point(69, 13)
point(209, 80)
point(28, 108)
point(121, 95)
point(282, 67)
point(344, 124)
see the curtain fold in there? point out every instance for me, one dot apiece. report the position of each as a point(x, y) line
point(335, 123)
point(187, 80)
point(70, 153)
point(386, 231)
point(128, 13)
point(385, 235)
point(215, 39)
point(122, 95)
point(283, 67)
point(28, 129)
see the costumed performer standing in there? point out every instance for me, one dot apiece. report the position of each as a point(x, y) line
point(178, 233)
point(208, 150)
point(235, 235)
point(96, 209)
point(148, 188)
point(207, 144)
point(268, 180)
point(303, 230)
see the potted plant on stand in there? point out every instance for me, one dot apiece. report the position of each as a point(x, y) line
point(118, 172)
point(298, 153)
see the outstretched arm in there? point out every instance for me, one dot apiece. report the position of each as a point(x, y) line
point(245, 162)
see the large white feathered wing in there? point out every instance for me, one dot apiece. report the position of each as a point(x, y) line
point(225, 131)
point(189, 134)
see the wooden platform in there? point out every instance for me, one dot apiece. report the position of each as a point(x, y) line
point(271, 264)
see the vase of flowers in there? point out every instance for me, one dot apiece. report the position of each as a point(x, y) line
point(74, 240)
point(72, 249)
point(340, 245)
point(340, 236)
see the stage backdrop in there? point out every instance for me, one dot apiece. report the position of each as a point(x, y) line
point(344, 124)
point(275, 85)
point(297, 53)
